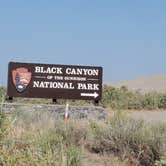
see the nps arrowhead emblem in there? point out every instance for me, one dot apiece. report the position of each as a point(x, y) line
point(21, 78)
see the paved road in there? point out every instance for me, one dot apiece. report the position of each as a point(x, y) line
point(149, 116)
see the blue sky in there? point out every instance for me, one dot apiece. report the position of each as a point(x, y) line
point(126, 37)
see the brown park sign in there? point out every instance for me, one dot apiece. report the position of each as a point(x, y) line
point(54, 81)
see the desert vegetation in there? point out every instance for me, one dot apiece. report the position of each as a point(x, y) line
point(122, 98)
point(36, 138)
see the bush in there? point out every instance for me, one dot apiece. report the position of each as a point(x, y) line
point(150, 101)
point(162, 101)
point(73, 156)
point(128, 138)
point(2, 125)
point(122, 98)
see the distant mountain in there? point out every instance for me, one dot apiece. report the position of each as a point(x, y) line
point(145, 84)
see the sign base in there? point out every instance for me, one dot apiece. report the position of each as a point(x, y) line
point(54, 101)
point(9, 99)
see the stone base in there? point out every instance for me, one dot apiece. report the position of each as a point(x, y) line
point(75, 112)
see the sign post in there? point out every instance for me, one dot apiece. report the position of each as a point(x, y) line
point(54, 81)
point(66, 116)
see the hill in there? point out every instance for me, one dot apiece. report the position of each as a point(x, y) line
point(145, 84)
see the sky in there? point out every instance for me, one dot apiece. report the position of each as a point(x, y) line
point(126, 37)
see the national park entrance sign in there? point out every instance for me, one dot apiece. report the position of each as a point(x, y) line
point(54, 81)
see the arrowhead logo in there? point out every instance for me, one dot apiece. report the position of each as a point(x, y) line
point(21, 78)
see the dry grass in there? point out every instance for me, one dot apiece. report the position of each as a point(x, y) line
point(36, 138)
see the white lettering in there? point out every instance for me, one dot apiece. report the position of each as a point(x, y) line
point(48, 70)
point(84, 86)
point(35, 84)
point(37, 69)
point(78, 71)
point(57, 85)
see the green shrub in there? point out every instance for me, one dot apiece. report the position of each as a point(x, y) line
point(2, 125)
point(73, 156)
point(162, 101)
point(150, 101)
point(122, 98)
point(3, 120)
point(128, 138)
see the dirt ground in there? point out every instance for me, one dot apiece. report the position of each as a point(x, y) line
point(91, 159)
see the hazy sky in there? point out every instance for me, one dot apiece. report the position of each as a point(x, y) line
point(126, 37)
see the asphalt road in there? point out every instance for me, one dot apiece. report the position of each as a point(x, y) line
point(149, 116)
